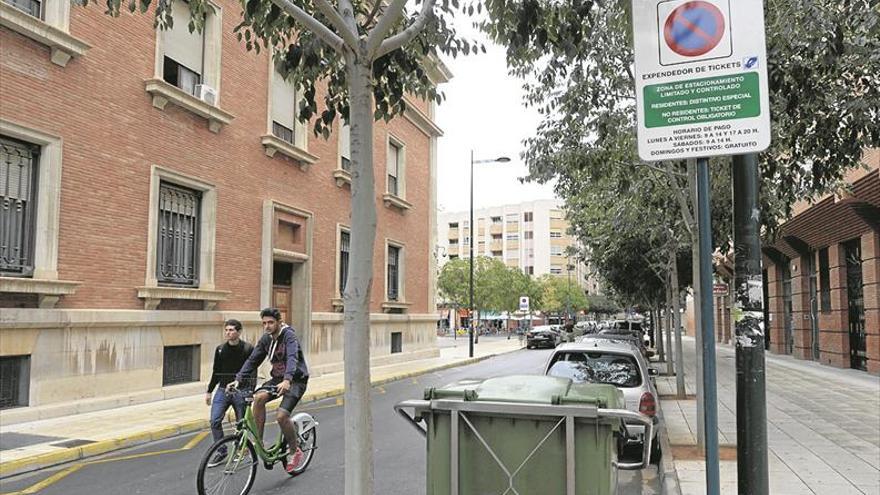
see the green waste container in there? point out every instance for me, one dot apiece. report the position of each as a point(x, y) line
point(526, 435)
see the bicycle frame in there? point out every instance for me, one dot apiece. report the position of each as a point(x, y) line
point(247, 427)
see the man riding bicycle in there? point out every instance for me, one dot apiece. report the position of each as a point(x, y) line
point(289, 376)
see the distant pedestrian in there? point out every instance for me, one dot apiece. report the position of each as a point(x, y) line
point(228, 359)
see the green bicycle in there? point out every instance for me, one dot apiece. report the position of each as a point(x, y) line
point(244, 449)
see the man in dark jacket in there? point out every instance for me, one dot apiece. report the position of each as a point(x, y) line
point(228, 359)
point(289, 375)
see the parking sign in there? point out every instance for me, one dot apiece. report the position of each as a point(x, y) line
point(523, 303)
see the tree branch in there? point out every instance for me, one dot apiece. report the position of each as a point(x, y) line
point(373, 13)
point(405, 36)
point(682, 201)
point(332, 15)
point(320, 30)
point(377, 34)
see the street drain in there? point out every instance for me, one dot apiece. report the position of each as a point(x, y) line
point(76, 442)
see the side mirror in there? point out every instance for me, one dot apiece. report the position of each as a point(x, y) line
point(652, 372)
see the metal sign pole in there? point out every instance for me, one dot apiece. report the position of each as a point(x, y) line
point(710, 404)
point(751, 395)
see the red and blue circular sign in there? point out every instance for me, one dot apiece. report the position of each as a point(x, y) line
point(694, 28)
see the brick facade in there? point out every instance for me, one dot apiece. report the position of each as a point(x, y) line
point(113, 137)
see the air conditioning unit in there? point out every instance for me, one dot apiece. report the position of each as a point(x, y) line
point(206, 93)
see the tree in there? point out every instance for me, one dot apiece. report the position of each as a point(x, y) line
point(369, 54)
point(559, 295)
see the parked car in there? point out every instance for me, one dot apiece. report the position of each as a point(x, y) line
point(618, 363)
point(543, 336)
point(634, 338)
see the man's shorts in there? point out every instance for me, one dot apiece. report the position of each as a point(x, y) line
point(293, 395)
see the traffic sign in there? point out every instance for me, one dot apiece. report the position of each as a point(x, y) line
point(701, 78)
point(720, 289)
point(523, 303)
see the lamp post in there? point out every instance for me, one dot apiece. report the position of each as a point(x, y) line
point(500, 159)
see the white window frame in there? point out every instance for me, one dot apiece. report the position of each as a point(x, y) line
point(151, 292)
point(272, 144)
point(396, 200)
point(44, 282)
point(53, 30)
point(343, 133)
point(164, 93)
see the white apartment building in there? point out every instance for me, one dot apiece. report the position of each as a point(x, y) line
point(531, 236)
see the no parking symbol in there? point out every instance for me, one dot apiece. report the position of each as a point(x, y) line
point(693, 30)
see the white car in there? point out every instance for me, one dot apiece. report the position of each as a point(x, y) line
point(616, 363)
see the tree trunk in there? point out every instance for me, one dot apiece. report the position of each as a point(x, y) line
point(658, 334)
point(356, 348)
point(676, 317)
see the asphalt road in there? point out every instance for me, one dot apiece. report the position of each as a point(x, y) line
point(399, 453)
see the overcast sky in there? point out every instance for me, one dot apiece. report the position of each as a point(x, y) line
point(483, 111)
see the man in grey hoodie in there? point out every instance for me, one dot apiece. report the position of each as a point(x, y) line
point(289, 376)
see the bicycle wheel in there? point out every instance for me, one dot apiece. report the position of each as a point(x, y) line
point(234, 475)
point(308, 442)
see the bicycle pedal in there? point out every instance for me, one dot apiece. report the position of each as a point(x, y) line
point(269, 465)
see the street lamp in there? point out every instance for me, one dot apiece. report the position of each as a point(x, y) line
point(500, 159)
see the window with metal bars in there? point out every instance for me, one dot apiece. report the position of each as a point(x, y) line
point(177, 257)
point(30, 7)
point(393, 273)
point(344, 250)
point(14, 381)
point(283, 133)
point(18, 206)
point(180, 364)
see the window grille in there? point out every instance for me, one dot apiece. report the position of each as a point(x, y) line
point(393, 273)
point(178, 246)
point(344, 250)
point(18, 206)
point(14, 381)
point(180, 364)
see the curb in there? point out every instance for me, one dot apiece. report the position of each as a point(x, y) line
point(42, 461)
point(669, 484)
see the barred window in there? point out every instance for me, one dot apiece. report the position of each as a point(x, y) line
point(18, 206)
point(180, 364)
point(393, 273)
point(178, 246)
point(14, 381)
point(344, 250)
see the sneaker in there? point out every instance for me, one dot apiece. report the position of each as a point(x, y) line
point(295, 461)
point(218, 459)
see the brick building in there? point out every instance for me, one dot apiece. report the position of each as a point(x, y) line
point(822, 278)
point(156, 182)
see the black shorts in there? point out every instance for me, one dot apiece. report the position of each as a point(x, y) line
point(293, 395)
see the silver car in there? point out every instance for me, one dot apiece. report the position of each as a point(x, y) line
point(618, 363)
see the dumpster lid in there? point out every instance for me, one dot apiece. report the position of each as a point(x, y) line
point(534, 389)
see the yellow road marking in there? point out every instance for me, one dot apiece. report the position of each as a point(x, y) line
point(381, 390)
point(60, 475)
point(339, 401)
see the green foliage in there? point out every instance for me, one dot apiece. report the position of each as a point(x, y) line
point(575, 58)
point(496, 287)
point(558, 295)
point(309, 63)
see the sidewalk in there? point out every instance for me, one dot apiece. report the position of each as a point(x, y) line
point(823, 427)
point(38, 444)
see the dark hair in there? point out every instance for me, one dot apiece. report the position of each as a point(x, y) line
point(233, 323)
point(272, 313)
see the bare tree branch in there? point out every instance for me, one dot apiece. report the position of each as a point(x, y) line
point(350, 37)
point(320, 30)
point(682, 201)
point(389, 17)
point(373, 13)
point(405, 36)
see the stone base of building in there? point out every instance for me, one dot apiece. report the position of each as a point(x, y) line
point(75, 361)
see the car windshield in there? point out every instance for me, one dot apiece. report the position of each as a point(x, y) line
point(597, 367)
